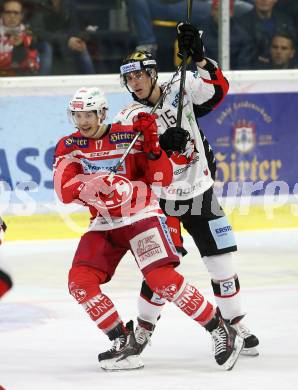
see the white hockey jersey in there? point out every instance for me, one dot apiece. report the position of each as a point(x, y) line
point(203, 91)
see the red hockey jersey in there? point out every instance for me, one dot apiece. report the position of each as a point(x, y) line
point(79, 159)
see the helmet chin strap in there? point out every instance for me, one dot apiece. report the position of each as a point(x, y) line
point(152, 87)
point(100, 130)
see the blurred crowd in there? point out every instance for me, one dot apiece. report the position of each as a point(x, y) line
point(53, 37)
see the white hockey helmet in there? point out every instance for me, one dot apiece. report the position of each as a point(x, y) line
point(89, 99)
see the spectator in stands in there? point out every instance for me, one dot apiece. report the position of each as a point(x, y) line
point(17, 55)
point(56, 27)
point(239, 45)
point(282, 53)
point(261, 24)
point(165, 14)
point(143, 12)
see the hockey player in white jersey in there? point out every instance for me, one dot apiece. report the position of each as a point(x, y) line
point(190, 197)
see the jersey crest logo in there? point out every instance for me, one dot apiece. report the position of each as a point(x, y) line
point(244, 136)
point(121, 193)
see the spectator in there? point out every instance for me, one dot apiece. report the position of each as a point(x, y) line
point(282, 53)
point(17, 55)
point(261, 24)
point(56, 27)
point(240, 46)
point(142, 12)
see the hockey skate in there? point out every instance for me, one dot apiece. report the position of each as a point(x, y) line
point(143, 334)
point(124, 354)
point(227, 345)
point(250, 340)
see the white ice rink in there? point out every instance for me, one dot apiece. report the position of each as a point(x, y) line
point(48, 342)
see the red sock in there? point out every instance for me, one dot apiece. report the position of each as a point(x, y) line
point(84, 285)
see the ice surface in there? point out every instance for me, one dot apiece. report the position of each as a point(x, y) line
point(48, 342)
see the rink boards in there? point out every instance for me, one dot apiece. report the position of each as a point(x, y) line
point(253, 134)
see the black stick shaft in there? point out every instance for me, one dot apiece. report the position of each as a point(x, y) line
point(183, 71)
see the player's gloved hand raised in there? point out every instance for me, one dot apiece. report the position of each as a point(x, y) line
point(146, 124)
point(174, 139)
point(189, 40)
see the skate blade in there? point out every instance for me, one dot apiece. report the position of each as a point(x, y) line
point(133, 362)
point(253, 352)
point(238, 345)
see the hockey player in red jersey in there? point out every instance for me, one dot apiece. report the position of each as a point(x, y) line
point(5, 279)
point(190, 196)
point(125, 215)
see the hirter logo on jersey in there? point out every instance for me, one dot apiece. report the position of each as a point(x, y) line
point(79, 141)
point(244, 136)
point(117, 138)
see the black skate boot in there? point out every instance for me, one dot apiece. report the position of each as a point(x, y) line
point(124, 353)
point(143, 333)
point(227, 344)
point(250, 340)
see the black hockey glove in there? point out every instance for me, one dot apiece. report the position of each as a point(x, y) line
point(189, 40)
point(174, 139)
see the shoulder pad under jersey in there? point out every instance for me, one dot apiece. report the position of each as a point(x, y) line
point(126, 115)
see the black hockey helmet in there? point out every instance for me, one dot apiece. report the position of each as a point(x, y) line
point(138, 60)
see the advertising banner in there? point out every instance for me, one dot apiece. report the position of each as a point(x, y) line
point(255, 141)
point(254, 138)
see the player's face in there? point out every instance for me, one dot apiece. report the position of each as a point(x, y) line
point(86, 122)
point(139, 82)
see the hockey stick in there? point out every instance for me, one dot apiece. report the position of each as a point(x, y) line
point(127, 151)
point(183, 70)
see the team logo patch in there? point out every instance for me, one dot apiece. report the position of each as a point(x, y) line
point(148, 247)
point(78, 141)
point(227, 287)
point(79, 294)
point(121, 190)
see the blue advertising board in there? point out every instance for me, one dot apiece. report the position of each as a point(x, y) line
point(255, 141)
point(254, 138)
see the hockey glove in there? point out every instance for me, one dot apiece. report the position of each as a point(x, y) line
point(189, 40)
point(146, 124)
point(174, 139)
